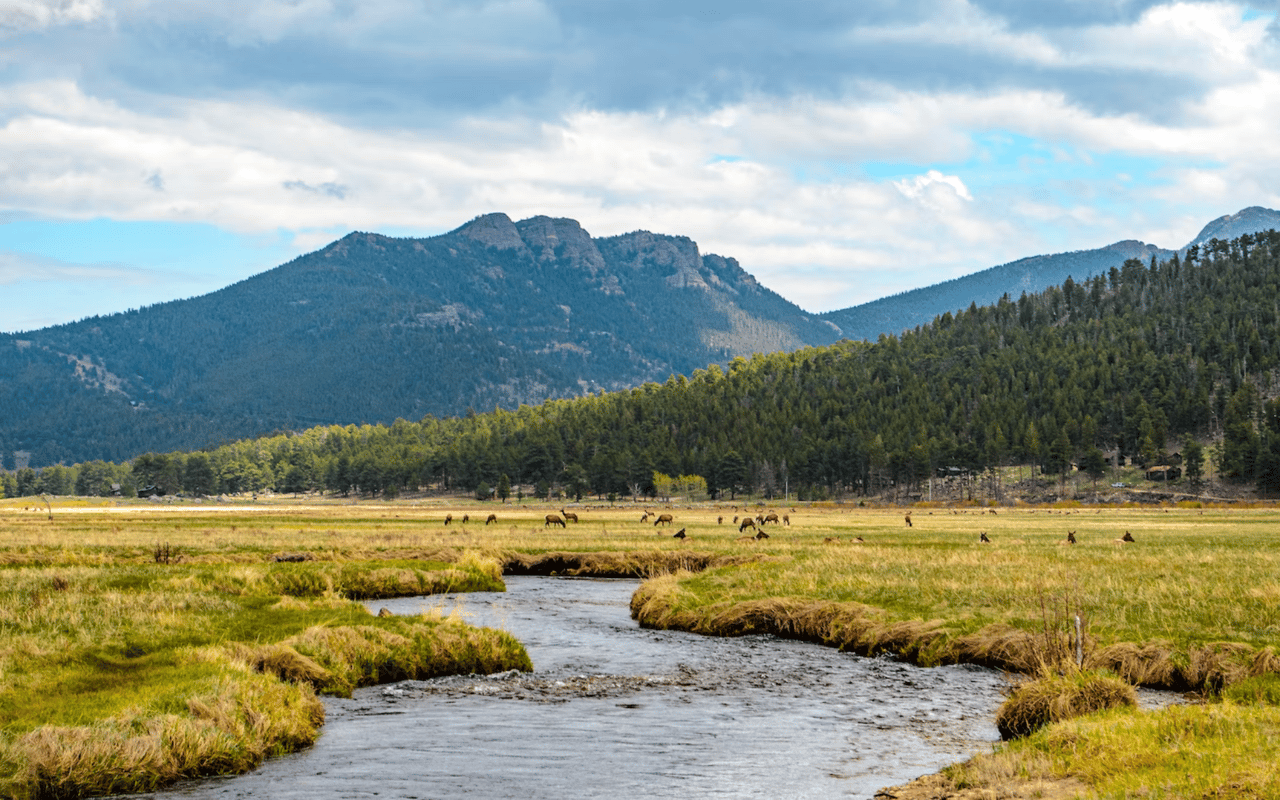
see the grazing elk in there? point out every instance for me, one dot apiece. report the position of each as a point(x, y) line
point(747, 522)
point(448, 518)
point(466, 518)
point(569, 516)
point(771, 517)
point(491, 518)
point(719, 520)
point(553, 519)
point(907, 519)
point(667, 518)
point(786, 520)
point(644, 517)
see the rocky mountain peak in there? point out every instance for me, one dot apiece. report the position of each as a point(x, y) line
point(495, 230)
point(1231, 226)
point(552, 238)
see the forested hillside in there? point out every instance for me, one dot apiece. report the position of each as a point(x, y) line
point(372, 328)
point(1137, 360)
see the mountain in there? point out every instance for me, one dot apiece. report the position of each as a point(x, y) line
point(1144, 364)
point(373, 328)
point(919, 306)
point(494, 314)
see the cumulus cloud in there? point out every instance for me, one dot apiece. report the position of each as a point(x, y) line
point(28, 15)
point(839, 150)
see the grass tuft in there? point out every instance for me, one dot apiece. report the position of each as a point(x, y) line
point(1052, 697)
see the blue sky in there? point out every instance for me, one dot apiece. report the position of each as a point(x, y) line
point(840, 151)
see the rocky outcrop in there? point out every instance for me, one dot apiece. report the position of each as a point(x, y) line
point(561, 240)
point(495, 230)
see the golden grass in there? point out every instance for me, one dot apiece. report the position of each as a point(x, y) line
point(119, 672)
point(1054, 697)
point(1192, 602)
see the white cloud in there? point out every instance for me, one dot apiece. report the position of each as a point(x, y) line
point(23, 267)
point(796, 204)
point(923, 187)
point(28, 15)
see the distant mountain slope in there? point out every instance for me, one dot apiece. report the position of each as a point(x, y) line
point(919, 306)
point(372, 328)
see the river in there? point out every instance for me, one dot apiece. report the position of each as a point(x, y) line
point(617, 711)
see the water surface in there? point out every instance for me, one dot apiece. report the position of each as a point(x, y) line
point(616, 711)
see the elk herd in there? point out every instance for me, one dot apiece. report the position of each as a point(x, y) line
point(752, 527)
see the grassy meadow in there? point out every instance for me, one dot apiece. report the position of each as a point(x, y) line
point(144, 642)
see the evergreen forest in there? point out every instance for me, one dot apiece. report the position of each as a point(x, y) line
point(1139, 362)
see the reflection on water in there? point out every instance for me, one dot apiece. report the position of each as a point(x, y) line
point(615, 711)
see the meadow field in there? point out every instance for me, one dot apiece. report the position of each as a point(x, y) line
point(143, 642)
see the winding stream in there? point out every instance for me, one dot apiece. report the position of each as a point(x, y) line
point(615, 711)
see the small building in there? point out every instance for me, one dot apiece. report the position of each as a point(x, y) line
point(1164, 472)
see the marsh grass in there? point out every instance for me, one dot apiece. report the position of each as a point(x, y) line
point(121, 672)
point(1194, 602)
point(1054, 696)
point(1181, 751)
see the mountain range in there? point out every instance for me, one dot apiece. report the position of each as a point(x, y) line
point(1034, 274)
point(493, 314)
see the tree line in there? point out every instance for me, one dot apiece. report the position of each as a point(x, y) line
point(1139, 362)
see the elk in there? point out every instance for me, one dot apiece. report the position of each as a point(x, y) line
point(982, 538)
point(448, 518)
point(907, 518)
point(1121, 542)
point(644, 517)
point(1071, 538)
point(786, 520)
point(553, 519)
point(466, 518)
point(663, 518)
point(747, 522)
point(771, 517)
point(569, 516)
point(762, 535)
point(491, 518)
point(719, 520)
point(678, 534)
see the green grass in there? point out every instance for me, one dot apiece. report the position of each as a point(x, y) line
point(1215, 750)
point(86, 613)
point(121, 675)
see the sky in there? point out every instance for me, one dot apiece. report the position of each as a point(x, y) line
point(842, 151)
